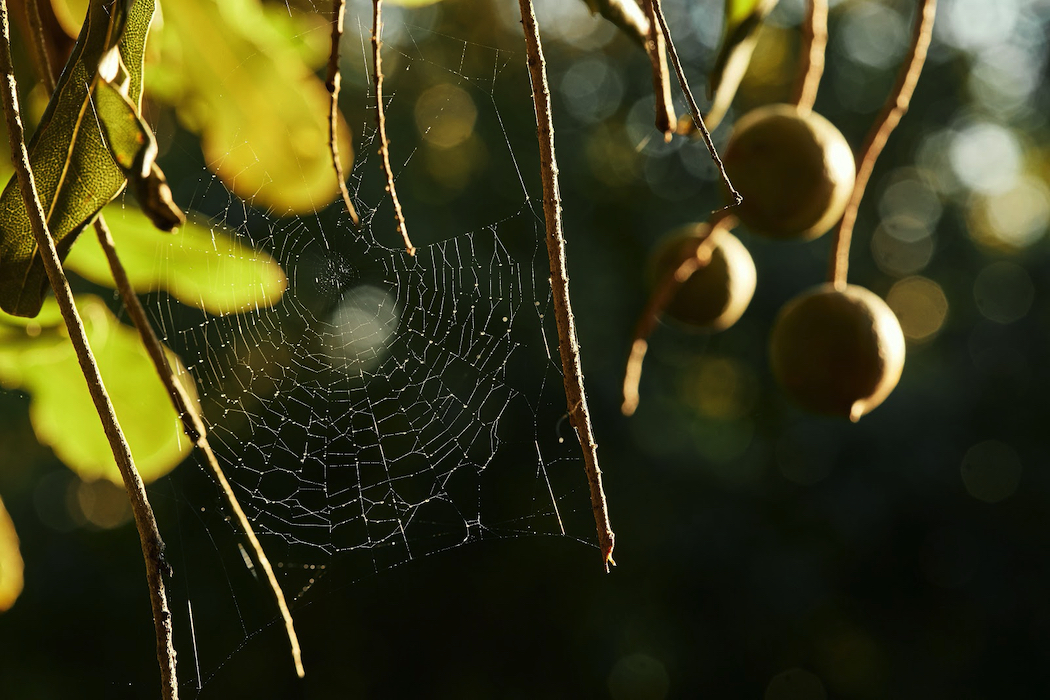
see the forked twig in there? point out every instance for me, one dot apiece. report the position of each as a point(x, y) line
point(664, 291)
point(384, 143)
point(145, 521)
point(568, 346)
point(895, 107)
point(655, 46)
point(811, 58)
point(333, 82)
point(194, 428)
point(698, 119)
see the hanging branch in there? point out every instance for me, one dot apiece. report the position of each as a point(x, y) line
point(625, 14)
point(194, 428)
point(662, 295)
point(666, 119)
point(811, 59)
point(384, 143)
point(145, 522)
point(698, 120)
point(895, 108)
point(568, 346)
point(333, 82)
point(192, 424)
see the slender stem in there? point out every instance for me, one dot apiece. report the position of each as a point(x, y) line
point(149, 535)
point(698, 119)
point(663, 293)
point(193, 426)
point(333, 82)
point(625, 14)
point(36, 27)
point(384, 143)
point(811, 60)
point(568, 345)
point(666, 119)
point(895, 107)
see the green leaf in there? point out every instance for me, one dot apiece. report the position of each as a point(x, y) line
point(62, 413)
point(206, 267)
point(75, 174)
point(742, 19)
point(11, 565)
point(134, 148)
point(262, 114)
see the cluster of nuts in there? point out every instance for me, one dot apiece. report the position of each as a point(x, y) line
point(835, 350)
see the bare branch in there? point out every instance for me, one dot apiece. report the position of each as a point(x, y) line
point(384, 143)
point(568, 346)
point(333, 82)
point(662, 295)
point(811, 60)
point(895, 108)
point(146, 523)
point(666, 119)
point(698, 119)
point(193, 426)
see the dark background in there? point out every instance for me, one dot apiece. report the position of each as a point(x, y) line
point(762, 552)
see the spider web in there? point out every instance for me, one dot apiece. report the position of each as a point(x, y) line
point(390, 406)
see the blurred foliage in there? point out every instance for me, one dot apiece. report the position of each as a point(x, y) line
point(11, 565)
point(243, 78)
point(204, 266)
point(37, 357)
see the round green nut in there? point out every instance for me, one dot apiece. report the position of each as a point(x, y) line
point(837, 351)
point(794, 170)
point(715, 296)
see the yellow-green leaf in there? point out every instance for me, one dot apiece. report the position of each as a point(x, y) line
point(75, 174)
point(261, 112)
point(63, 416)
point(742, 18)
point(10, 561)
point(204, 266)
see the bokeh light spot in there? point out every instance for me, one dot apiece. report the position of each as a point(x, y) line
point(986, 157)
point(445, 115)
point(920, 305)
point(1012, 219)
point(1004, 292)
point(901, 247)
point(991, 471)
point(592, 89)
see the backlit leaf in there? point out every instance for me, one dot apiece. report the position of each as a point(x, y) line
point(43, 364)
point(74, 172)
point(10, 561)
point(203, 266)
point(261, 112)
point(742, 18)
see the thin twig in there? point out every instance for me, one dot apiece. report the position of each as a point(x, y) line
point(568, 346)
point(149, 535)
point(384, 143)
point(194, 428)
point(663, 293)
point(36, 28)
point(698, 119)
point(625, 14)
point(895, 107)
point(811, 59)
point(333, 82)
point(666, 119)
